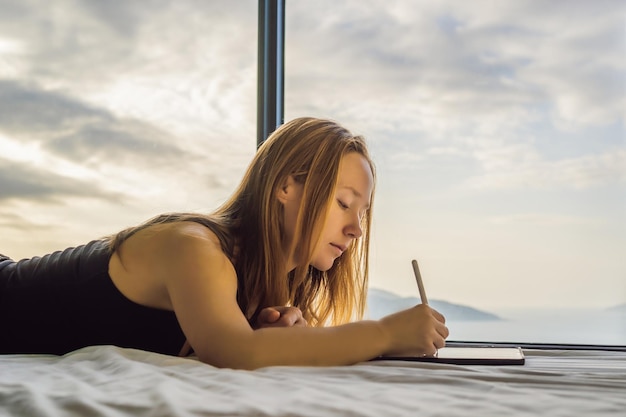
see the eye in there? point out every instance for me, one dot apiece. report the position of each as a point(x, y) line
point(342, 204)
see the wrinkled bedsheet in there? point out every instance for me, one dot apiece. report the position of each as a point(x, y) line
point(110, 381)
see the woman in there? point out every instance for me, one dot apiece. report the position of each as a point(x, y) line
point(295, 233)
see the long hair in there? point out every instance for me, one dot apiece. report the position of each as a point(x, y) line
point(250, 226)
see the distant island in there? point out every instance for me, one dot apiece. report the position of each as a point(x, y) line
point(381, 303)
point(620, 308)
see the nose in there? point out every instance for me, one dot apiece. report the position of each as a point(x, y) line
point(354, 229)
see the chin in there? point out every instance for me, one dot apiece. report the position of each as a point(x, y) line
point(323, 264)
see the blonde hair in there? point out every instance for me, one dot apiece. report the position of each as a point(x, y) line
point(249, 226)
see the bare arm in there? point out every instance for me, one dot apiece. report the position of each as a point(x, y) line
point(201, 285)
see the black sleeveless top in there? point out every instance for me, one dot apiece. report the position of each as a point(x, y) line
point(66, 300)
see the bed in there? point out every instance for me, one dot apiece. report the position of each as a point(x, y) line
point(111, 381)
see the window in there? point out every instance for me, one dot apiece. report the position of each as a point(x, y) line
point(113, 113)
point(498, 135)
point(498, 132)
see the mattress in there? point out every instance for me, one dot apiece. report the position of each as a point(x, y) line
point(111, 381)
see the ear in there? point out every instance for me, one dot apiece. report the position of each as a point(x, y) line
point(287, 190)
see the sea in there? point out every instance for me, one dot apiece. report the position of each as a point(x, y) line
point(551, 326)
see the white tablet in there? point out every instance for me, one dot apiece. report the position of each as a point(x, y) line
point(469, 356)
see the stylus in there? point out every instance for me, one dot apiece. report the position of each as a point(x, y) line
point(420, 284)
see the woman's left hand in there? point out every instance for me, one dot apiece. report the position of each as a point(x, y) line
point(280, 316)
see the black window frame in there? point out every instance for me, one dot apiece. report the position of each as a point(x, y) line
point(271, 67)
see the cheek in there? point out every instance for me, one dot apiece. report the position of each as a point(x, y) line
point(290, 221)
point(333, 219)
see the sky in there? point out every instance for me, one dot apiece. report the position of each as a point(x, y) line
point(497, 129)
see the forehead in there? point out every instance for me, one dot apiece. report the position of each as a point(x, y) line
point(355, 175)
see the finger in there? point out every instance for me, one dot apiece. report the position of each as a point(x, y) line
point(438, 315)
point(268, 315)
point(442, 330)
point(433, 347)
point(287, 320)
point(439, 342)
point(301, 322)
point(281, 309)
point(293, 315)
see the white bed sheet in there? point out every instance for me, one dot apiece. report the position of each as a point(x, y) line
point(110, 381)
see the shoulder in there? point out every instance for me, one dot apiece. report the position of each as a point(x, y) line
point(193, 252)
point(170, 235)
point(163, 248)
point(186, 241)
point(184, 232)
point(182, 257)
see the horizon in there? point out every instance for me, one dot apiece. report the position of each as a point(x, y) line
point(497, 310)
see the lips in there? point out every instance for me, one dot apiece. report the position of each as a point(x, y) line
point(341, 248)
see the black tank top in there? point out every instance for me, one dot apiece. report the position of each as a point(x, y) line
point(66, 300)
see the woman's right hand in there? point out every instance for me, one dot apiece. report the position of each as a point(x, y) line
point(417, 331)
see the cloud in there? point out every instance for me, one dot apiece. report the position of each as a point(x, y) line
point(451, 67)
point(574, 173)
point(19, 181)
point(27, 107)
point(15, 222)
point(118, 97)
point(57, 146)
point(544, 219)
point(470, 87)
point(88, 48)
point(81, 132)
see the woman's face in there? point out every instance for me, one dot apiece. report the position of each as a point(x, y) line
point(351, 201)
